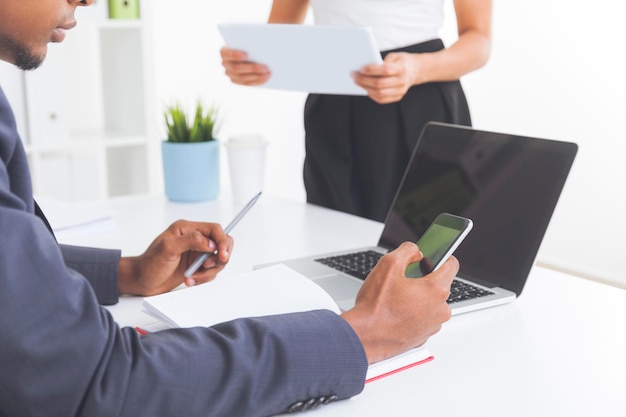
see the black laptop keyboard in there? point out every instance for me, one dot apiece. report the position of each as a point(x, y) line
point(359, 264)
point(461, 291)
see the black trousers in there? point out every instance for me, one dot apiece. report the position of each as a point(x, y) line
point(357, 150)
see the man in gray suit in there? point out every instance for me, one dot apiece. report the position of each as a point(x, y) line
point(62, 354)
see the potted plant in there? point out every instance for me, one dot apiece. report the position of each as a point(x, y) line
point(191, 153)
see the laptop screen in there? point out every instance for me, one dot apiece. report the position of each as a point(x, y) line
point(508, 185)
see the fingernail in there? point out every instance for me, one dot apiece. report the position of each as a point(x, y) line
point(211, 244)
point(191, 282)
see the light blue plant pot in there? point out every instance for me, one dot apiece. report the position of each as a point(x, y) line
point(191, 170)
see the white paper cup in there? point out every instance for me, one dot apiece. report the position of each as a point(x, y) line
point(246, 165)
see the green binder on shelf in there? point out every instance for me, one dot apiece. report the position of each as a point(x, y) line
point(124, 9)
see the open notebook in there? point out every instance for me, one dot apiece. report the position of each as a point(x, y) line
point(277, 289)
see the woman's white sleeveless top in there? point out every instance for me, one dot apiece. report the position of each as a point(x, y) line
point(395, 23)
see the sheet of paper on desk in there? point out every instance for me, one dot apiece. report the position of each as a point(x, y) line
point(313, 59)
point(273, 290)
point(64, 216)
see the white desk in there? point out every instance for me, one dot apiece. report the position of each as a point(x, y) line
point(559, 350)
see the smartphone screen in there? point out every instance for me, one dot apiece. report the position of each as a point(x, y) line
point(438, 242)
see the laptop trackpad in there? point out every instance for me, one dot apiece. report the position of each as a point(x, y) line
point(342, 289)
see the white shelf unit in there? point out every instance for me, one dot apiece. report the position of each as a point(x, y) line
point(91, 125)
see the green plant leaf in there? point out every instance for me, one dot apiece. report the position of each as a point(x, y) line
point(181, 128)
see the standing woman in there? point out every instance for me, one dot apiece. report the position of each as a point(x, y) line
point(357, 147)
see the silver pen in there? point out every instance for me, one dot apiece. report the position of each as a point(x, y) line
point(200, 260)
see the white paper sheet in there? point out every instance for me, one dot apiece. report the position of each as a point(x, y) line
point(313, 59)
point(67, 216)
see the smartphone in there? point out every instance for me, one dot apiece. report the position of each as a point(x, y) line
point(438, 242)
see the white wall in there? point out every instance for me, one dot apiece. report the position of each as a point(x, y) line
point(13, 87)
point(556, 71)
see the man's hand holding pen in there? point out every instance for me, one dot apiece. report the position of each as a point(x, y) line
point(189, 252)
point(161, 267)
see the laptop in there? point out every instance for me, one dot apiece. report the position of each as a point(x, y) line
point(508, 185)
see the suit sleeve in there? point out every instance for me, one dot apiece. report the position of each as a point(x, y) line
point(99, 266)
point(62, 354)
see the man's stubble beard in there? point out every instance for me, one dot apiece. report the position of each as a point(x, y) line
point(22, 57)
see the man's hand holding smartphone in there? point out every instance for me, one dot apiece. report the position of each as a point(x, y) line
point(393, 314)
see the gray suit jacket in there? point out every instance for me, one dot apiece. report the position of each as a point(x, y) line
point(62, 354)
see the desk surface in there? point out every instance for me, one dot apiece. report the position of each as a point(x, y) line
point(558, 350)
